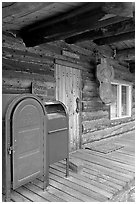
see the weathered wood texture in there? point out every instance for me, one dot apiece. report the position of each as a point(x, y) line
point(102, 179)
point(67, 91)
point(22, 66)
point(96, 123)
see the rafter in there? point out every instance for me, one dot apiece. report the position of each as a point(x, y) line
point(57, 30)
point(116, 38)
point(114, 29)
point(66, 29)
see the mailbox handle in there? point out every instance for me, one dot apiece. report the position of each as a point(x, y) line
point(77, 105)
point(58, 130)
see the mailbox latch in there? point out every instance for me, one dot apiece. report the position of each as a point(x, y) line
point(10, 149)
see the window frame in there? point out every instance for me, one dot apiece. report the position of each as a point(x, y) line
point(119, 99)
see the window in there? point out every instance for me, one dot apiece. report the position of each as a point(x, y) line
point(121, 107)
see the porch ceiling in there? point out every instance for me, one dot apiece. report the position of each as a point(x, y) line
point(102, 23)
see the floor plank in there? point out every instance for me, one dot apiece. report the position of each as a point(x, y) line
point(102, 177)
point(104, 181)
point(113, 157)
point(60, 167)
point(30, 195)
point(44, 194)
point(108, 171)
point(17, 197)
point(58, 193)
point(77, 190)
point(101, 159)
point(86, 187)
point(126, 152)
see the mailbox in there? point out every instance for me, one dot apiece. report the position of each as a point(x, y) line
point(24, 142)
point(34, 135)
point(57, 132)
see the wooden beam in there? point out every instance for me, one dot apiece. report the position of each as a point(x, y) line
point(116, 38)
point(114, 29)
point(61, 29)
point(67, 28)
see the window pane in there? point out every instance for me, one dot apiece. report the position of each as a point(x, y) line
point(114, 105)
point(124, 101)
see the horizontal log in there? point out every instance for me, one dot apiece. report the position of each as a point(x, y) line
point(105, 51)
point(29, 67)
point(42, 51)
point(93, 102)
point(16, 82)
point(33, 77)
point(52, 47)
point(89, 85)
point(95, 124)
point(73, 65)
point(26, 55)
point(89, 95)
point(15, 90)
point(80, 50)
point(90, 89)
point(124, 76)
point(91, 106)
point(116, 65)
point(126, 54)
point(88, 75)
point(121, 72)
point(123, 63)
point(87, 116)
point(108, 132)
point(96, 108)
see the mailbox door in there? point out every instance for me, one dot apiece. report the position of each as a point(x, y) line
point(27, 140)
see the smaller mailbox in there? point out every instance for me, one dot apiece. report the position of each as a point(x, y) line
point(57, 132)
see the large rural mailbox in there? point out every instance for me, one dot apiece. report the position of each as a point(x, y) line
point(58, 132)
point(34, 135)
point(25, 155)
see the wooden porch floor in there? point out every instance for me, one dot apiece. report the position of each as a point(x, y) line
point(103, 177)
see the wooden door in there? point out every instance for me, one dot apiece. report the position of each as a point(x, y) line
point(27, 139)
point(68, 91)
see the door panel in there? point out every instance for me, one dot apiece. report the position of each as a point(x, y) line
point(27, 139)
point(67, 90)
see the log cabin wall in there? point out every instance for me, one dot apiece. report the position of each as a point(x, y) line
point(22, 66)
point(96, 123)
